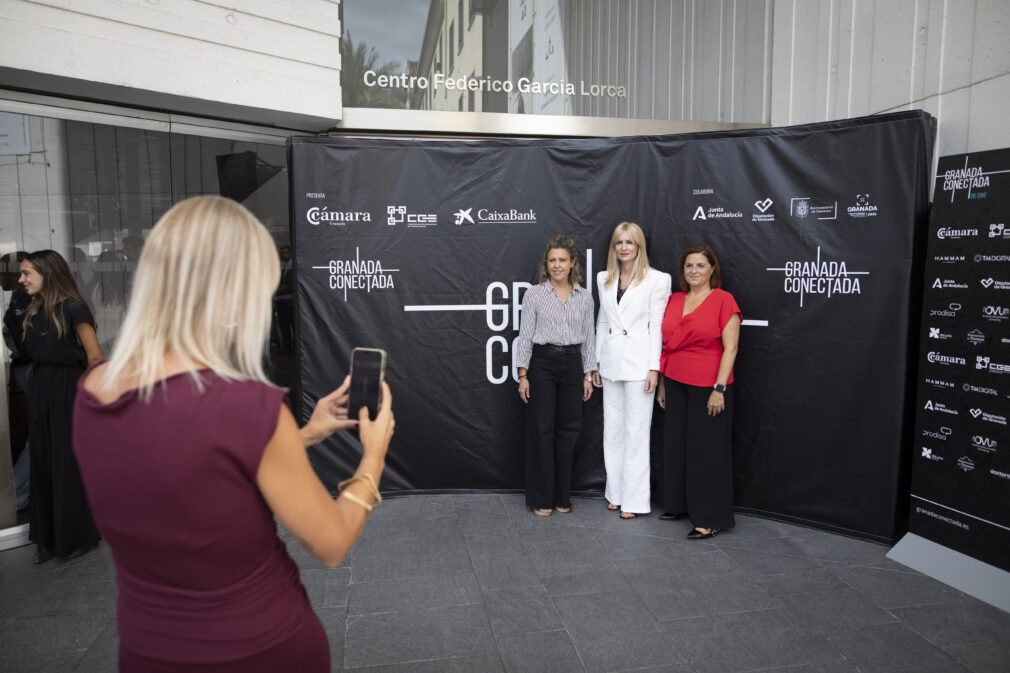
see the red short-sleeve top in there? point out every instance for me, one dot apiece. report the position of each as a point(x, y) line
point(692, 343)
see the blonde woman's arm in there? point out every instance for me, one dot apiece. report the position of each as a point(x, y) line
point(325, 526)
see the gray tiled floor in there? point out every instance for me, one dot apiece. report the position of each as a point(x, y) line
point(477, 583)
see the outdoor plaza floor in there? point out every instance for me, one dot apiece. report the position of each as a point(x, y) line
point(461, 583)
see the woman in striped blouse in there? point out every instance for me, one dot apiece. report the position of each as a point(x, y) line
point(556, 357)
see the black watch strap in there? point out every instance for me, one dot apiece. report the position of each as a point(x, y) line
point(719, 387)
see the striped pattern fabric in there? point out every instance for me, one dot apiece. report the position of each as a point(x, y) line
point(548, 320)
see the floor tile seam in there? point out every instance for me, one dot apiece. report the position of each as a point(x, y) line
point(719, 614)
point(799, 554)
point(487, 620)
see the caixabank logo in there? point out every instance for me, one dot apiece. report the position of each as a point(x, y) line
point(484, 216)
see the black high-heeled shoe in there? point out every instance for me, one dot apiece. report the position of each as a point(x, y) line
point(670, 516)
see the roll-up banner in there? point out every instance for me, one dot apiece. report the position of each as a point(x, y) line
point(425, 248)
point(961, 468)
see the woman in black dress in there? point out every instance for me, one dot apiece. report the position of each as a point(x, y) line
point(59, 337)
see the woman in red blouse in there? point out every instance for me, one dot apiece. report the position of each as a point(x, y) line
point(701, 329)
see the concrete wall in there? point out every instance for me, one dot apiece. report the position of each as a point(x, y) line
point(273, 62)
point(846, 58)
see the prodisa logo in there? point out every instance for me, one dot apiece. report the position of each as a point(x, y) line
point(949, 312)
point(358, 274)
point(336, 218)
point(820, 277)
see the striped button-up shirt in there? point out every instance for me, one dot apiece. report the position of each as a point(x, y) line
point(548, 320)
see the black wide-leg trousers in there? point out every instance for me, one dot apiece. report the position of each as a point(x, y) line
point(553, 422)
point(697, 457)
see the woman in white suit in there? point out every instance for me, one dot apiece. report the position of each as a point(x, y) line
point(628, 344)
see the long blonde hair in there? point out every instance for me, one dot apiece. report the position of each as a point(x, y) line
point(641, 266)
point(202, 292)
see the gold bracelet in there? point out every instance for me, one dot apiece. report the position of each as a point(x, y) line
point(355, 499)
point(369, 480)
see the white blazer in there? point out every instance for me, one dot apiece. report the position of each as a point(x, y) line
point(629, 338)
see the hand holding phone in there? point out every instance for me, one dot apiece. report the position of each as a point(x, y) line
point(368, 370)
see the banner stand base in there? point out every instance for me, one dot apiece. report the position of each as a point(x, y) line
point(973, 577)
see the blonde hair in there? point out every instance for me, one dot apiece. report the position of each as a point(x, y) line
point(641, 266)
point(202, 292)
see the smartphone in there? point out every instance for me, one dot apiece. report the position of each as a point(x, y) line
point(368, 369)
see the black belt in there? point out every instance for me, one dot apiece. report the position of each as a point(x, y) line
point(575, 349)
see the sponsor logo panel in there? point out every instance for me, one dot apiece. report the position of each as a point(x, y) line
point(335, 218)
point(863, 207)
point(401, 215)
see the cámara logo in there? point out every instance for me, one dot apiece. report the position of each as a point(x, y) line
point(941, 359)
point(336, 218)
point(945, 233)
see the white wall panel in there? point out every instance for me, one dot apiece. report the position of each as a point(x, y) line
point(272, 62)
point(844, 58)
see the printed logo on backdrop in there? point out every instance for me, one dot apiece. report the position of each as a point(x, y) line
point(975, 337)
point(335, 218)
point(935, 333)
point(715, 213)
point(948, 259)
point(942, 433)
point(950, 311)
point(952, 234)
point(995, 313)
point(928, 454)
point(990, 258)
point(399, 215)
point(937, 358)
point(763, 215)
point(802, 207)
point(948, 284)
point(939, 407)
point(984, 444)
point(981, 390)
point(940, 383)
point(985, 362)
point(464, 216)
point(357, 275)
point(863, 207)
point(819, 277)
point(970, 178)
point(979, 413)
point(993, 284)
point(966, 463)
point(999, 230)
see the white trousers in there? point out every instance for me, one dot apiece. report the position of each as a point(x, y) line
point(627, 419)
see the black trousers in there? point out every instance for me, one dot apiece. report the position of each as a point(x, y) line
point(553, 422)
point(697, 458)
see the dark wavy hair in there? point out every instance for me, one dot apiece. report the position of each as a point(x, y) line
point(58, 285)
point(564, 243)
point(716, 280)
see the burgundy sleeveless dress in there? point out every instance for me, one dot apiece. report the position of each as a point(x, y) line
point(204, 581)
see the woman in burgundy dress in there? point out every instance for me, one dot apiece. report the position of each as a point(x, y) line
point(189, 452)
point(701, 329)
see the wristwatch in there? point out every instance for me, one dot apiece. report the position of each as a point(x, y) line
point(719, 387)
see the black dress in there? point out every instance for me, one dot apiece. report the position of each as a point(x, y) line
point(61, 521)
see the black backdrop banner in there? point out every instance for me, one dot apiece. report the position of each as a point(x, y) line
point(424, 248)
point(961, 470)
